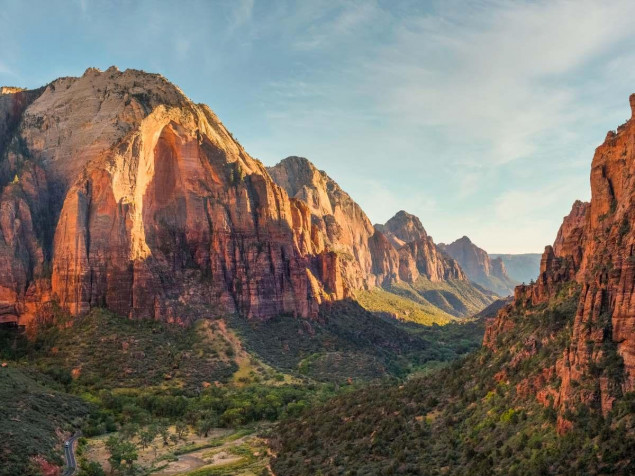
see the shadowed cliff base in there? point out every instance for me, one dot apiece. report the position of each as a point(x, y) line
point(550, 392)
point(120, 192)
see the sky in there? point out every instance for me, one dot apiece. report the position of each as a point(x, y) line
point(480, 117)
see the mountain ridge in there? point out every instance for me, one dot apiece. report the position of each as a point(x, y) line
point(551, 391)
point(480, 267)
point(119, 192)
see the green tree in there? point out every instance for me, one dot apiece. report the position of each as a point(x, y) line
point(182, 430)
point(91, 468)
point(121, 451)
point(164, 431)
point(147, 436)
point(204, 426)
point(129, 430)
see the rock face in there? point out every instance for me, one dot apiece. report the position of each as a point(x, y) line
point(595, 249)
point(479, 267)
point(118, 191)
point(403, 228)
point(338, 221)
point(522, 268)
point(418, 254)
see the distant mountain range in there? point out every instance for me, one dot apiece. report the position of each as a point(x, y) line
point(522, 268)
point(480, 267)
point(163, 203)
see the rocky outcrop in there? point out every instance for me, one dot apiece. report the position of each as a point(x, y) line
point(422, 258)
point(118, 191)
point(521, 268)
point(594, 248)
point(337, 220)
point(479, 267)
point(498, 268)
point(403, 228)
point(418, 254)
point(128, 195)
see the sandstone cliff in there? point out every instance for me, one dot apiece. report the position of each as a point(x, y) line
point(346, 230)
point(479, 267)
point(403, 228)
point(118, 191)
point(522, 268)
point(594, 250)
point(418, 254)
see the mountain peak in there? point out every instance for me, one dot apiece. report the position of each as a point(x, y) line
point(297, 161)
point(406, 227)
point(479, 267)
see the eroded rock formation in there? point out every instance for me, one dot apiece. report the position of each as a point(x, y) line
point(118, 191)
point(337, 220)
point(479, 267)
point(418, 254)
point(595, 249)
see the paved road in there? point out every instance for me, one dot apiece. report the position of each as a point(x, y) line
point(69, 454)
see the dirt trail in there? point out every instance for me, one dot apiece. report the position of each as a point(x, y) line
point(210, 457)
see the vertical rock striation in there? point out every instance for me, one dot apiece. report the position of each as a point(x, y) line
point(118, 191)
point(479, 267)
point(418, 254)
point(595, 248)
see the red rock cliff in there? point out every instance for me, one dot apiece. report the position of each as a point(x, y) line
point(418, 254)
point(336, 218)
point(118, 191)
point(595, 248)
point(479, 267)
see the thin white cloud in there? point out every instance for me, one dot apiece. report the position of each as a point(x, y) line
point(488, 74)
point(514, 204)
point(381, 202)
point(241, 15)
point(346, 23)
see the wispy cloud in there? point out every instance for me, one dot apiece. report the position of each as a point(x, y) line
point(344, 23)
point(489, 74)
point(383, 202)
point(484, 97)
point(241, 14)
point(480, 116)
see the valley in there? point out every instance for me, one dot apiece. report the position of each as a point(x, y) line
point(194, 312)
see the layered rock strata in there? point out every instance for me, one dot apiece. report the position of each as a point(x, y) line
point(594, 248)
point(479, 267)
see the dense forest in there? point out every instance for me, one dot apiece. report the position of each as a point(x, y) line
point(474, 418)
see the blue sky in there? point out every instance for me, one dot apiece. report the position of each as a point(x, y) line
point(481, 117)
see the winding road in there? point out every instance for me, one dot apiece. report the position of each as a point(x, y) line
point(69, 454)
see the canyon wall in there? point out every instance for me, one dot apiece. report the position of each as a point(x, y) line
point(118, 191)
point(479, 267)
point(593, 253)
